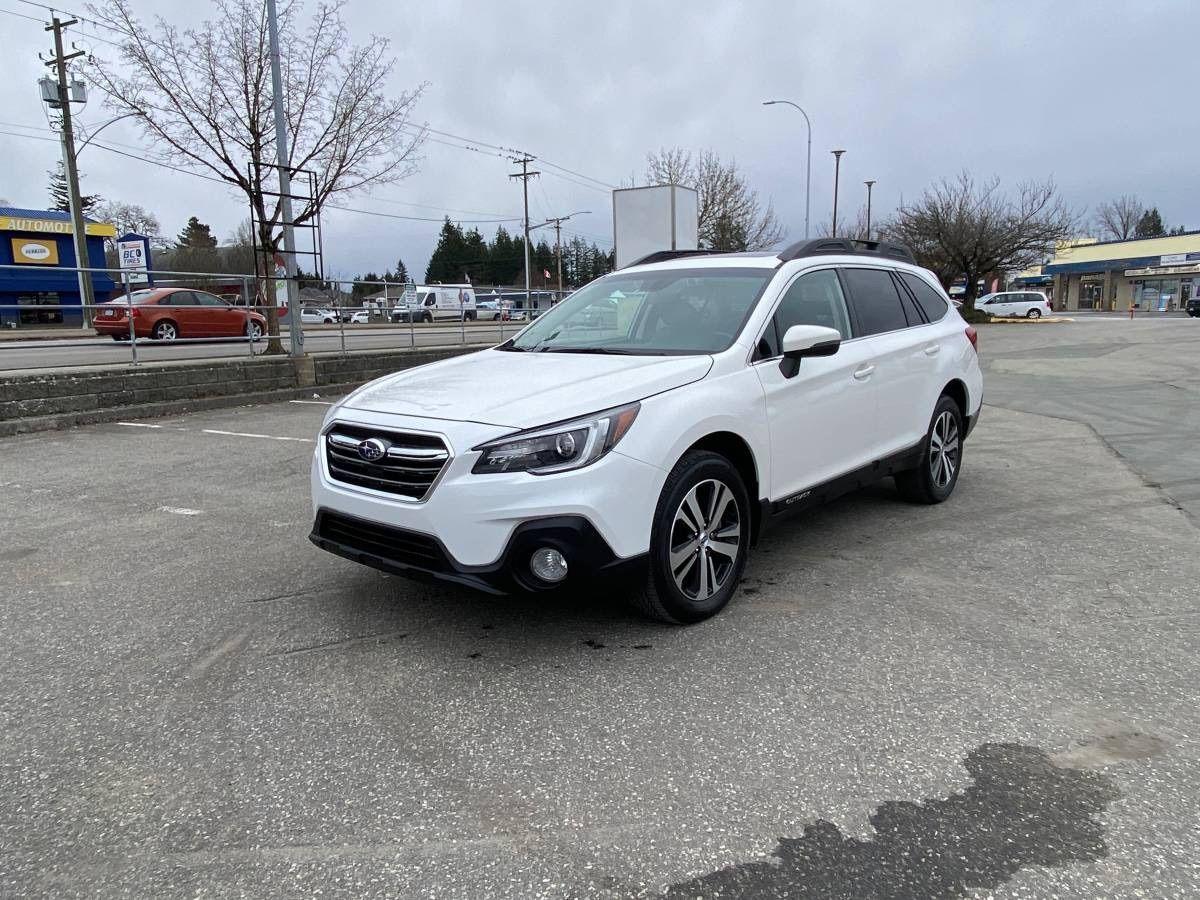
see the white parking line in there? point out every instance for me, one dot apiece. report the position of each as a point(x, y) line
point(250, 434)
point(245, 434)
point(314, 402)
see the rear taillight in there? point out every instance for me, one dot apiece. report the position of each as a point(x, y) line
point(973, 337)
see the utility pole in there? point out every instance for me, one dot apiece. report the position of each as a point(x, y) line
point(837, 168)
point(525, 175)
point(295, 332)
point(87, 296)
point(869, 184)
point(557, 221)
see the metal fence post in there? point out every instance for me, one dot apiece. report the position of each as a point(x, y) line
point(129, 318)
point(249, 316)
point(339, 311)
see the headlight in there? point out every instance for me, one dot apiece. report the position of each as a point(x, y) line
point(556, 448)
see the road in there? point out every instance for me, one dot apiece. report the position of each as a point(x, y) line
point(17, 355)
point(993, 697)
point(1136, 383)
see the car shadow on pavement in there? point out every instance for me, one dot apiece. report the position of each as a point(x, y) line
point(1021, 811)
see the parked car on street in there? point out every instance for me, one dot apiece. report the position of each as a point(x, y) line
point(168, 314)
point(360, 317)
point(727, 391)
point(1027, 304)
point(318, 315)
point(1193, 307)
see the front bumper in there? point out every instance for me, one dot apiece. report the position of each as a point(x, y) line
point(598, 516)
point(421, 556)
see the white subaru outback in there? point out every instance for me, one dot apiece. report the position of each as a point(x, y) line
point(653, 424)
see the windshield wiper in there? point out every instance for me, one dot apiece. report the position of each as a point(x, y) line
point(613, 351)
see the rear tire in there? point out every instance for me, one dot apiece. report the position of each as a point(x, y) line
point(935, 476)
point(1034, 314)
point(699, 541)
point(253, 331)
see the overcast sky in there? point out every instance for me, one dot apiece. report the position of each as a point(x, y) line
point(1098, 95)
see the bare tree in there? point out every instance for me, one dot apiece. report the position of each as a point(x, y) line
point(961, 227)
point(1118, 219)
point(129, 217)
point(731, 215)
point(203, 99)
point(855, 230)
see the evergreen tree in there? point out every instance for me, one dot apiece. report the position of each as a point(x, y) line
point(400, 274)
point(503, 258)
point(196, 236)
point(60, 197)
point(445, 265)
point(475, 260)
point(1150, 225)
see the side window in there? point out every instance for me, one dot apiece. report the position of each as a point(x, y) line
point(875, 300)
point(207, 300)
point(931, 302)
point(812, 299)
point(179, 298)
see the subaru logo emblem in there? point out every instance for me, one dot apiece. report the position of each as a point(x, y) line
point(372, 449)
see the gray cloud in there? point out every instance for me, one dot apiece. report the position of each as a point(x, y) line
point(1097, 95)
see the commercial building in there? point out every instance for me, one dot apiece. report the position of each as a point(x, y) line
point(37, 255)
point(1153, 274)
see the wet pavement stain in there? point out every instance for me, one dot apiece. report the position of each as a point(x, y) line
point(1021, 811)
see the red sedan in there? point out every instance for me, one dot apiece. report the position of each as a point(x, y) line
point(167, 314)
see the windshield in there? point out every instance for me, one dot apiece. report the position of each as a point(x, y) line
point(663, 312)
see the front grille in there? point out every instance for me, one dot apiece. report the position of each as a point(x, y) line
point(408, 467)
point(409, 548)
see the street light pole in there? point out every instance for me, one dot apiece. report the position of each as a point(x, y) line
point(869, 184)
point(808, 164)
point(837, 169)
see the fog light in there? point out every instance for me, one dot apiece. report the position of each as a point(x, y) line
point(548, 565)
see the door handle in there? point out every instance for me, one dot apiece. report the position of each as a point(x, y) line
point(933, 349)
point(864, 373)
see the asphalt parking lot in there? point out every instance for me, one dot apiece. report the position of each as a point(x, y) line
point(994, 697)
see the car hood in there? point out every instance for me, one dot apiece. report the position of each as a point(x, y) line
point(525, 390)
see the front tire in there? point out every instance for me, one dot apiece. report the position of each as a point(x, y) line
point(698, 542)
point(427, 318)
point(934, 478)
point(165, 330)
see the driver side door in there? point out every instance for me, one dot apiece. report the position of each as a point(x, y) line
point(821, 420)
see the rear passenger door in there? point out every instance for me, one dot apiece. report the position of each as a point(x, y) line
point(821, 420)
point(889, 319)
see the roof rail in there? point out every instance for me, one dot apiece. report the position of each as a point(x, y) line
point(850, 246)
point(664, 255)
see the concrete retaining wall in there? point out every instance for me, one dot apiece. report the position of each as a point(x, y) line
point(65, 397)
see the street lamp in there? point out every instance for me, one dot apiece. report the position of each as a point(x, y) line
point(837, 168)
point(557, 221)
point(869, 184)
point(92, 136)
point(808, 165)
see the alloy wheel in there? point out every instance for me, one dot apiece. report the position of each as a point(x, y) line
point(944, 449)
point(165, 331)
point(705, 540)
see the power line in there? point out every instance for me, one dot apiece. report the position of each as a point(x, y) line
point(13, 12)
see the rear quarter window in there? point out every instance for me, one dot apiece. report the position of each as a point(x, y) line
point(876, 300)
point(931, 302)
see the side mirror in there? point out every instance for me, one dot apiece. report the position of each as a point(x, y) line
point(807, 340)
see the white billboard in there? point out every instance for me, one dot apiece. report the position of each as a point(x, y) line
point(647, 220)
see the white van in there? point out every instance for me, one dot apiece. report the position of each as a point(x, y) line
point(1029, 304)
point(439, 302)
